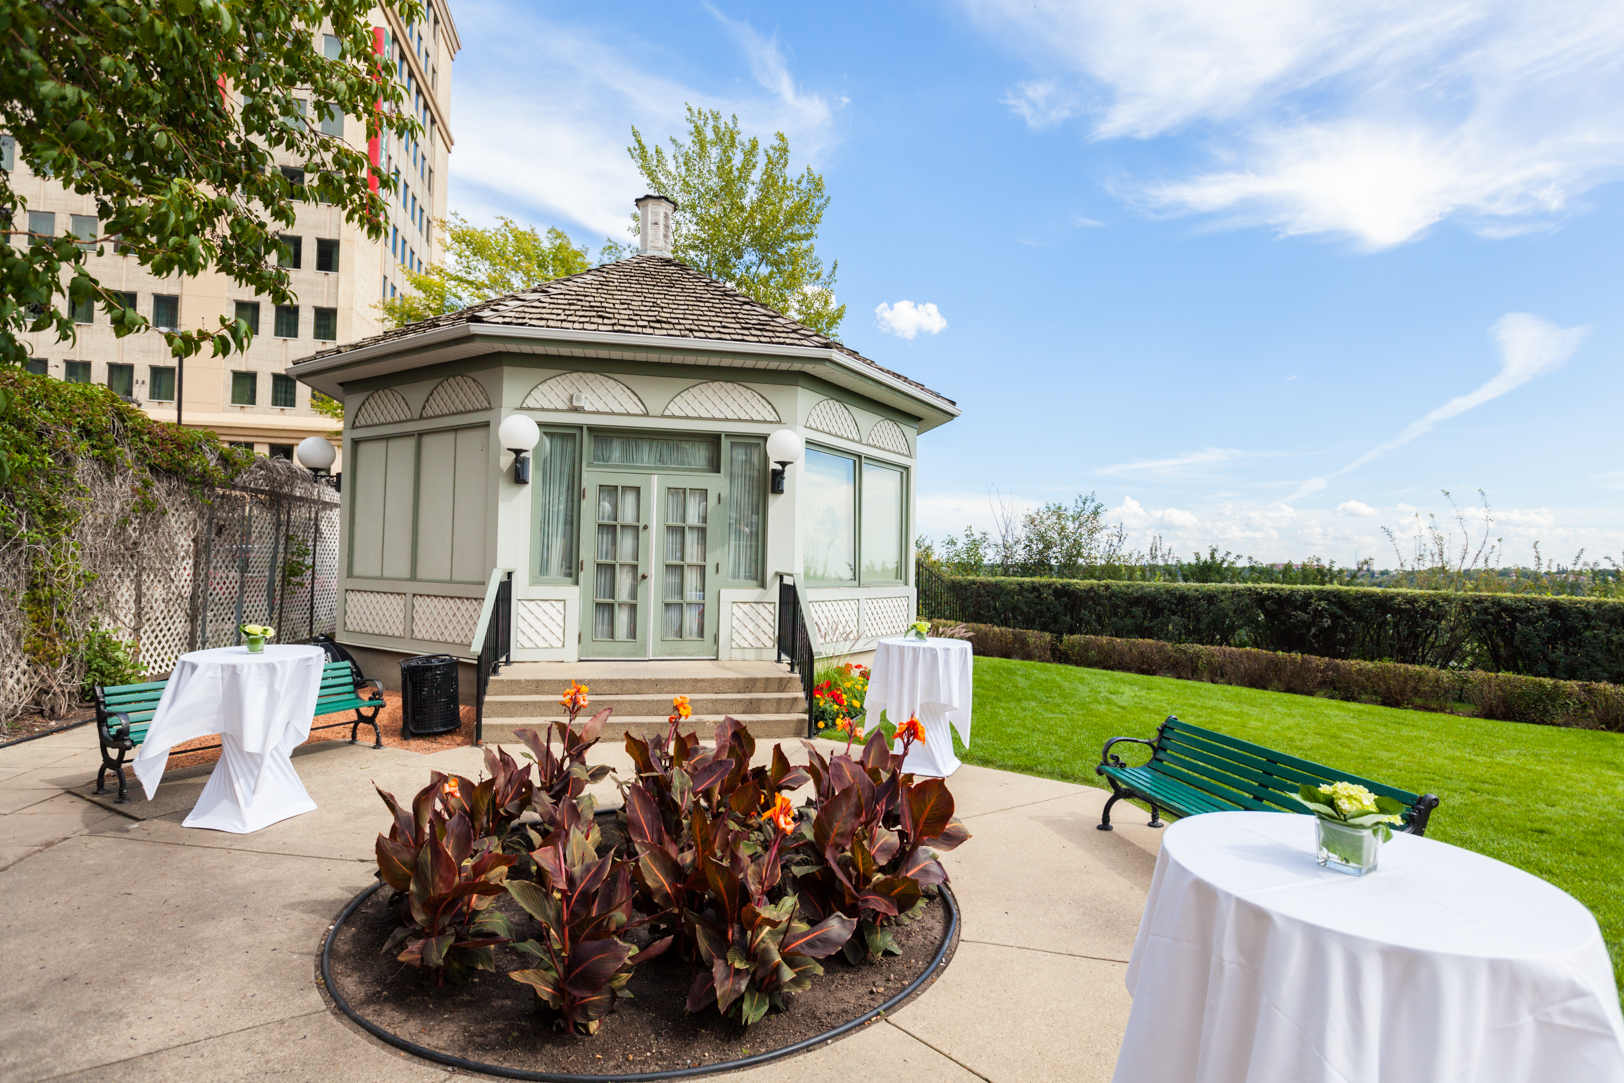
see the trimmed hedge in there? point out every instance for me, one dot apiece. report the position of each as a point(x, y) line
point(1565, 638)
point(1474, 693)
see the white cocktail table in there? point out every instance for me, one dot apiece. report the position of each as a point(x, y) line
point(262, 706)
point(930, 678)
point(1253, 963)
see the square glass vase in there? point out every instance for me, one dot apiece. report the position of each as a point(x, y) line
point(915, 634)
point(255, 644)
point(1351, 850)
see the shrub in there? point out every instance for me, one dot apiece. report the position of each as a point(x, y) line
point(108, 660)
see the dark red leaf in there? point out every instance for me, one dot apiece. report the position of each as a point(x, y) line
point(656, 949)
point(701, 992)
point(395, 861)
point(930, 808)
point(592, 964)
point(662, 876)
point(643, 821)
point(954, 834)
point(820, 940)
point(836, 820)
point(709, 775)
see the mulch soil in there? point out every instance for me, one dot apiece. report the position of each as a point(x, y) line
point(32, 723)
point(495, 1020)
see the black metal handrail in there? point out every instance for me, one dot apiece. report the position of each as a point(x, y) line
point(795, 639)
point(937, 599)
point(495, 648)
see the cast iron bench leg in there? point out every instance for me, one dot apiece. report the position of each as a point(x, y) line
point(1155, 816)
point(1105, 816)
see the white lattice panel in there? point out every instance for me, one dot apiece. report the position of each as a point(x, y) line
point(884, 617)
point(833, 418)
point(887, 435)
point(381, 408)
point(456, 395)
point(754, 624)
point(444, 619)
point(538, 623)
point(604, 395)
point(375, 612)
point(835, 621)
point(720, 399)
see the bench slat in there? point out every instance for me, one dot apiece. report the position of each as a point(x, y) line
point(1238, 774)
point(1172, 794)
point(1232, 790)
point(1313, 773)
point(112, 689)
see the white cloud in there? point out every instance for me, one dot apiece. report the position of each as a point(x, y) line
point(1528, 347)
point(906, 319)
point(1355, 509)
point(1179, 464)
point(1136, 516)
point(561, 155)
point(1373, 120)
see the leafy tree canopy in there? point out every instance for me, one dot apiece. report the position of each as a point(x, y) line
point(742, 219)
point(484, 263)
point(172, 117)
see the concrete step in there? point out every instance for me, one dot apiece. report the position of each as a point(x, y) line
point(640, 706)
point(761, 726)
point(666, 686)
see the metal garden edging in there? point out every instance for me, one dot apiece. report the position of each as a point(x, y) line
point(929, 974)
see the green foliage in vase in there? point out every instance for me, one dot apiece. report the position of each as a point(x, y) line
point(1352, 805)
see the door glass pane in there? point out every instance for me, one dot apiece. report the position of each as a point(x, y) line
point(628, 543)
point(626, 576)
point(698, 503)
point(696, 544)
point(744, 511)
point(608, 503)
point(606, 542)
point(618, 563)
point(629, 501)
point(693, 622)
point(674, 500)
point(605, 586)
point(673, 621)
point(693, 587)
point(627, 626)
point(673, 583)
point(828, 485)
point(882, 523)
point(603, 621)
point(673, 543)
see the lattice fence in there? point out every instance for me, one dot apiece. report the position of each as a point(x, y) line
point(178, 579)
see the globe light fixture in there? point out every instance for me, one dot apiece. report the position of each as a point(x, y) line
point(783, 448)
point(316, 455)
point(519, 434)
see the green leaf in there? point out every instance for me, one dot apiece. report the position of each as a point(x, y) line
point(752, 1006)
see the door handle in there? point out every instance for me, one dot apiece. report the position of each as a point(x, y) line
point(645, 575)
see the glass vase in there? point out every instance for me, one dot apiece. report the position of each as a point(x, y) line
point(914, 633)
point(256, 644)
point(1352, 850)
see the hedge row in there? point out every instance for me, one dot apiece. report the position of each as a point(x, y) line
point(1504, 696)
point(1566, 638)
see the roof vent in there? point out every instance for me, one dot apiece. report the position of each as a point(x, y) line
point(654, 225)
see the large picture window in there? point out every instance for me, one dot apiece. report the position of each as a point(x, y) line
point(882, 523)
point(829, 484)
point(556, 495)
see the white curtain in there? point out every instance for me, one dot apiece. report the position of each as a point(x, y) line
point(556, 500)
point(744, 511)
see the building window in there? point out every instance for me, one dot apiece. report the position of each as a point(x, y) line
point(696, 453)
point(295, 178)
point(282, 451)
point(331, 47)
point(287, 321)
point(327, 255)
point(42, 223)
point(165, 311)
point(829, 488)
point(248, 312)
point(326, 325)
point(284, 390)
point(244, 444)
point(38, 366)
point(882, 523)
point(161, 383)
point(746, 490)
point(121, 380)
point(87, 229)
point(244, 388)
point(76, 372)
point(8, 153)
point(289, 251)
point(556, 501)
point(332, 121)
point(84, 311)
point(126, 299)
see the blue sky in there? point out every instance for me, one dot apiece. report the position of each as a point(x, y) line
point(1262, 275)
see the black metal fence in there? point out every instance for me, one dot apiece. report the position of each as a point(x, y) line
point(937, 598)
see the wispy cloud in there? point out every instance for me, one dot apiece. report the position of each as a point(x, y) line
point(1528, 347)
point(1183, 464)
point(906, 319)
point(1372, 120)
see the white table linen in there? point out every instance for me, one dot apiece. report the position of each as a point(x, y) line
point(262, 706)
point(1253, 963)
point(930, 678)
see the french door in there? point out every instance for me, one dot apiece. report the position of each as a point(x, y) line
point(651, 568)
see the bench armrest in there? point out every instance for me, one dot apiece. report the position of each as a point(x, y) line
point(1423, 812)
point(377, 686)
point(118, 734)
point(1107, 759)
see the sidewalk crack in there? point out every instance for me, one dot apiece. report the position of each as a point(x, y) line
point(938, 1050)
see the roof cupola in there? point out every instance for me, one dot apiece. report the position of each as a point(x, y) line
point(654, 225)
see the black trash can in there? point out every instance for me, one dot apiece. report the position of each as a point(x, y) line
point(428, 695)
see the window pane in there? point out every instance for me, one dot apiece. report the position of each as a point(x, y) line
point(42, 223)
point(126, 299)
point(84, 311)
point(830, 484)
point(282, 451)
point(76, 372)
point(694, 454)
point(38, 366)
point(8, 153)
point(882, 522)
point(326, 255)
point(165, 312)
point(248, 312)
point(284, 390)
point(287, 321)
point(121, 379)
point(295, 178)
point(244, 388)
point(161, 383)
point(290, 251)
point(556, 495)
point(326, 325)
point(331, 47)
point(332, 121)
point(744, 511)
point(87, 229)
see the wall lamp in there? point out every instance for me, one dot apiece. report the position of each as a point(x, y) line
point(519, 435)
point(316, 455)
point(783, 448)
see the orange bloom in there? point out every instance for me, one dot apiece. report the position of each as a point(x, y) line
point(911, 730)
point(574, 698)
point(680, 708)
point(450, 788)
point(781, 814)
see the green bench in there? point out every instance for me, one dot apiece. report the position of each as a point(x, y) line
point(124, 712)
point(1193, 770)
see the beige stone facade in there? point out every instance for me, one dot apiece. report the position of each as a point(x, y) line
point(340, 279)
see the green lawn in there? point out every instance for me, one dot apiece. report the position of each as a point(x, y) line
point(1544, 799)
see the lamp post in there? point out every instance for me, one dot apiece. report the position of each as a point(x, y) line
point(784, 447)
point(519, 435)
point(316, 455)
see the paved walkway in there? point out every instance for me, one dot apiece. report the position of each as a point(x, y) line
point(138, 950)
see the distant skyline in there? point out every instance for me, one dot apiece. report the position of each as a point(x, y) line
point(1263, 276)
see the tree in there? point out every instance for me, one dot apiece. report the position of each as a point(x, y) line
point(742, 219)
point(169, 115)
point(485, 263)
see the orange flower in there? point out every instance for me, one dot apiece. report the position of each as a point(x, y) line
point(911, 730)
point(450, 788)
point(781, 814)
point(680, 708)
point(574, 698)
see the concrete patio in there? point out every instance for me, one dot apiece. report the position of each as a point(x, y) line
point(139, 950)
